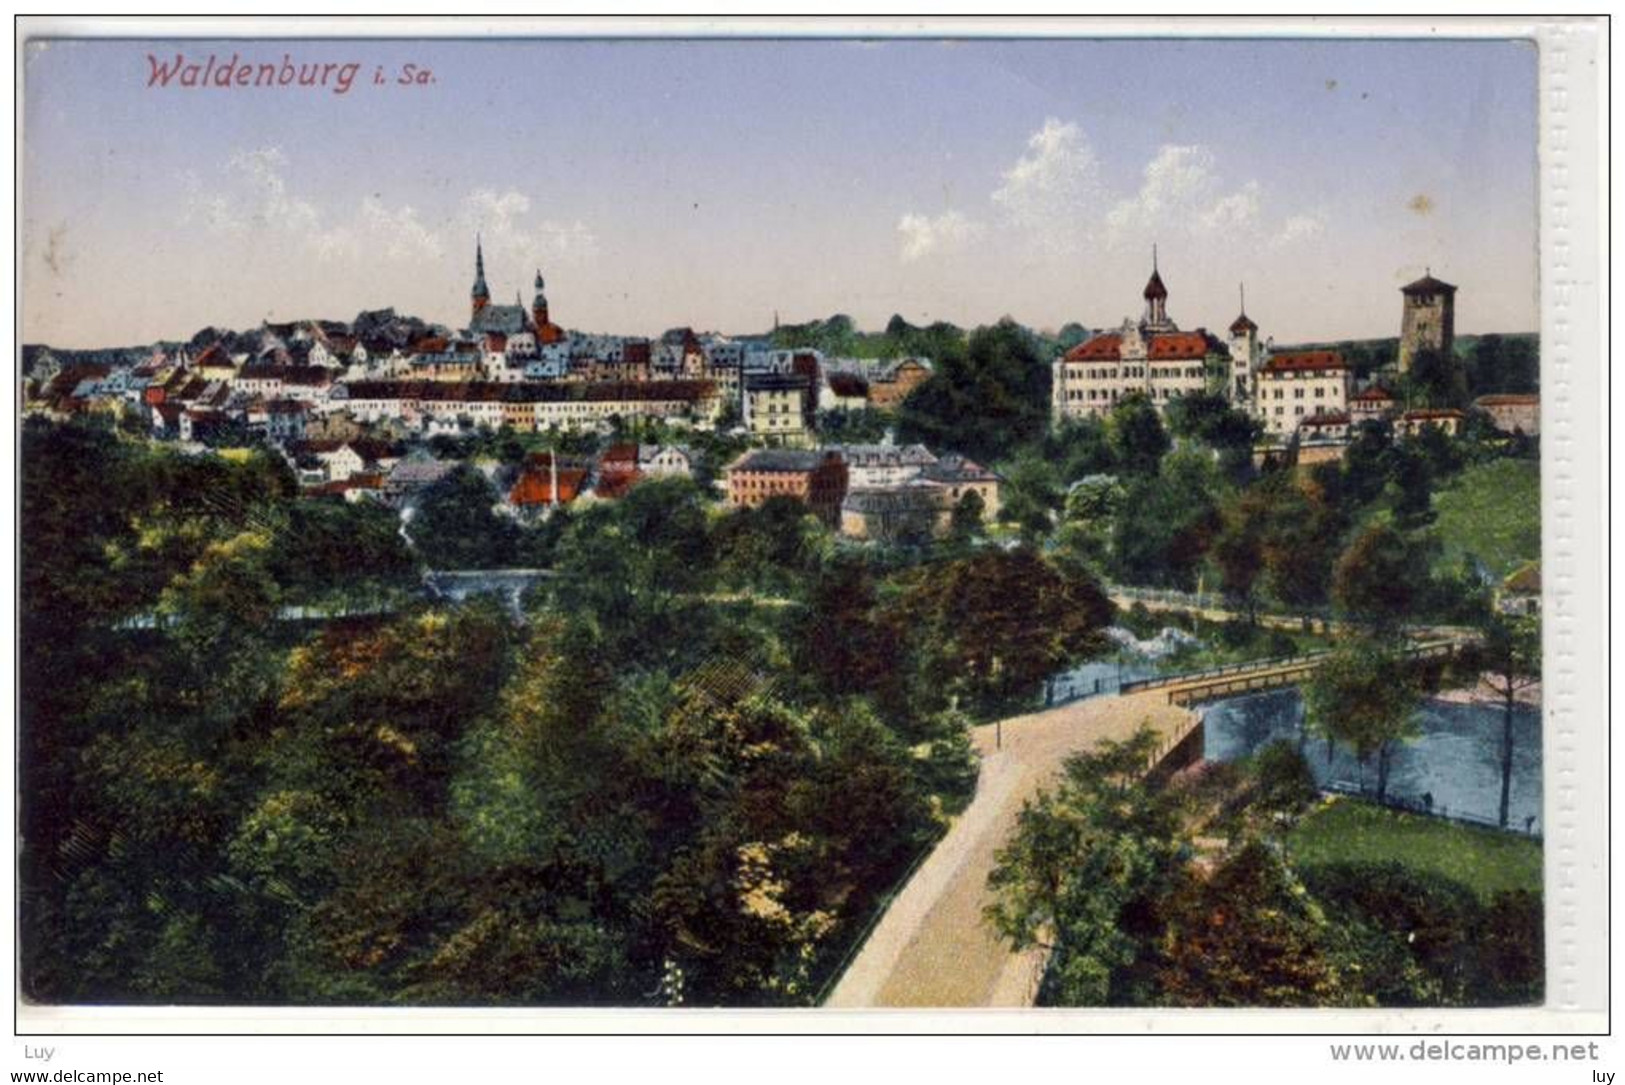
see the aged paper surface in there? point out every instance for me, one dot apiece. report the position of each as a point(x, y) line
point(542, 527)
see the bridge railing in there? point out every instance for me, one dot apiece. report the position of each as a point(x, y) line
point(1162, 681)
point(1285, 672)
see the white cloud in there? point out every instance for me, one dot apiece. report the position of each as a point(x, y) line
point(1054, 190)
point(1237, 211)
point(380, 231)
point(1055, 196)
point(512, 236)
point(264, 202)
point(1299, 228)
point(923, 236)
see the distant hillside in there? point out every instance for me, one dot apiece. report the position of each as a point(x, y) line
point(839, 336)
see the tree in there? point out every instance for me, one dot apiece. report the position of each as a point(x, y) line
point(456, 525)
point(1382, 578)
point(1508, 653)
point(1031, 496)
point(967, 517)
point(1248, 936)
point(984, 402)
point(1231, 433)
point(1284, 785)
point(1298, 542)
point(1365, 696)
point(1167, 522)
point(993, 625)
point(1238, 550)
point(1083, 871)
point(1436, 379)
point(1137, 438)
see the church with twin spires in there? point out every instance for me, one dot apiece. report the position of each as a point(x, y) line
point(508, 320)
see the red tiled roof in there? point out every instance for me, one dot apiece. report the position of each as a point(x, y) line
point(1308, 359)
point(1177, 345)
point(1100, 348)
point(616, 485)
point(1507, 399)
point(1375, 394)
point(620, 457)
point(1328, 418)
point(536, 487)
point(1427, 413)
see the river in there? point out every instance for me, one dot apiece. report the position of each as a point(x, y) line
point(1456, 761)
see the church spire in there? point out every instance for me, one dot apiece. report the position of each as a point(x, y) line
point(481, 294)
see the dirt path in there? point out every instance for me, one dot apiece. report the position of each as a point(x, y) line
point(932, 947)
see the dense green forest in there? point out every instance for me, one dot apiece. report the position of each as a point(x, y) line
point(685, 777)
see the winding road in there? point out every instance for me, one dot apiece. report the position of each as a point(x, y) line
point(932, 947)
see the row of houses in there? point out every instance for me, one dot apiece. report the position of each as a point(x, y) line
point(777, 394)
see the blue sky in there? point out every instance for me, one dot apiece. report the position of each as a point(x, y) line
point(711, 183)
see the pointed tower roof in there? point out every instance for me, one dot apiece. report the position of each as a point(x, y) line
point(1428, 285)
point(480, 289)
point(539, 283)
point(1153, 286)
point(1243, 323)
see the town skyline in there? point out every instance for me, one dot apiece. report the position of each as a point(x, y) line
point(1027, 179)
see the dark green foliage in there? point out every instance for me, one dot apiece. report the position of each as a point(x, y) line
point(1247, 936)
point(1136, 435)
point(1435, 379)
point(1444, 946)
point(866, 426)
point(1382, 578)
point(1231, 433)
point(662, 793)
point(1084, 875)
point(456, 525)
point(991, 627)
point(984, 402)
point(1504, 363)
point(334, 548)
point(1166, 524)
point(1284, 785)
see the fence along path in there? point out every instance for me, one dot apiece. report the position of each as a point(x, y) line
point(932, 947)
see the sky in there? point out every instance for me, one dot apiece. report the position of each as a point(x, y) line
point(715, 183)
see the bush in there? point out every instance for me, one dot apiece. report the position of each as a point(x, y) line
point(1512, 960)
point(1285, 785)
point(1432, 916)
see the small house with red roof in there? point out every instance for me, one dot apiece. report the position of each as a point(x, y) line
point(1372, 404)
point(1448, 420)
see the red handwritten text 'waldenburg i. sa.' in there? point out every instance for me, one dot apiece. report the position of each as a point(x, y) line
point(211, 72)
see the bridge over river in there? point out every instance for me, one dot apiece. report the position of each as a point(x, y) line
point(932, 947)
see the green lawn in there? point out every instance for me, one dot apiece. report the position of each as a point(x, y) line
point(1347, 830)
point(1492, 512)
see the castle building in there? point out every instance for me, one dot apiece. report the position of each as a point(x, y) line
point(1309, 384)
point(1154, 358)
point(1428, 319)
